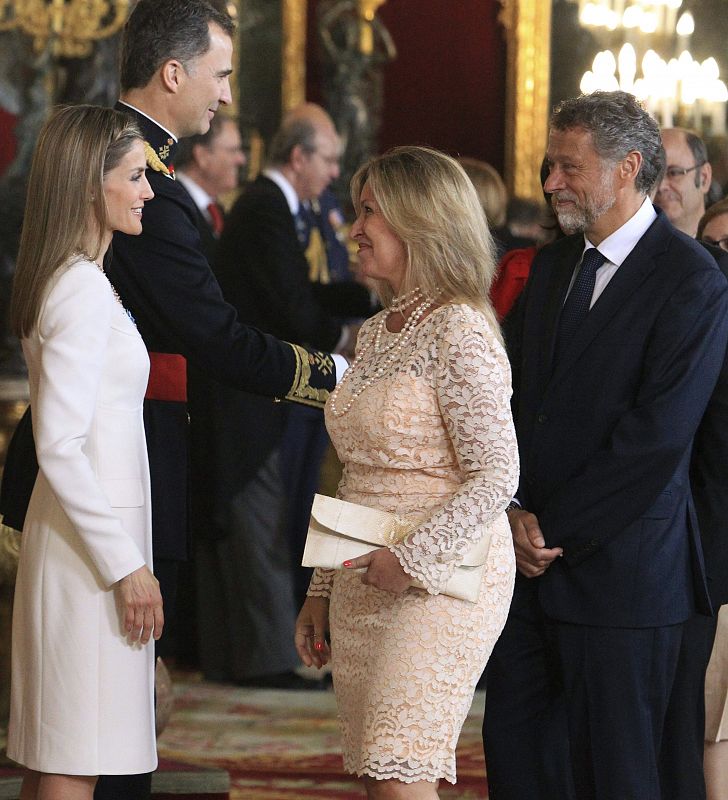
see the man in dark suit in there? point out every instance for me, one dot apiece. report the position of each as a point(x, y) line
point(615, 346)
point(246, 574)
point(682, 193)
point(208, 166)
point(175, 67)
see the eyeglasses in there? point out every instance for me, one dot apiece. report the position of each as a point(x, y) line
point(722, 243)
point(679, 172)
point(331, 161)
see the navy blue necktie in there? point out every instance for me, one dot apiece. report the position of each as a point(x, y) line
point(578, 301)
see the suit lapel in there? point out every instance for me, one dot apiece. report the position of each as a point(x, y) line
point(558, 270)
point(638, 265)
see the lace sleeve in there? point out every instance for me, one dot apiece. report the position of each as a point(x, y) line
point(472, 381)
point(320, 585)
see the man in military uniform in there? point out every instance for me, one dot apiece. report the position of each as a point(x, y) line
point(175, 66)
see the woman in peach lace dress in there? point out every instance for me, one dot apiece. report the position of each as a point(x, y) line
point(422, 424)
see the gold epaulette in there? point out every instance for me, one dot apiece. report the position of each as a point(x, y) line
point(301, 390)
point(155, 162)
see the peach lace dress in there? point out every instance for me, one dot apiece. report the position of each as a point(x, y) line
point(431, 438)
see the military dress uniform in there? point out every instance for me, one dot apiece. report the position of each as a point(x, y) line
point(167, 285)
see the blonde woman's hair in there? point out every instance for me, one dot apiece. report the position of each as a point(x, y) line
point(430, 204)
point(491, 190)
point(65, 210)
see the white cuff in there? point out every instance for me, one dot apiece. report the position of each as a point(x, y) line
point(341, 365)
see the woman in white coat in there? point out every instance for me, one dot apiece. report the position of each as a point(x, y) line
point(86, 601)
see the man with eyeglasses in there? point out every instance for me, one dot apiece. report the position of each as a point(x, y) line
point(686, 182)
point(245, 573)
point(682, 196)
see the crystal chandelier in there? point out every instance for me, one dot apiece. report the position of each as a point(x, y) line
point(654, 36)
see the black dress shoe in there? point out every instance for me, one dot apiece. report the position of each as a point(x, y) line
point(282, 680)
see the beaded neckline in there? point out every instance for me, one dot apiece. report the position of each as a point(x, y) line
point(113, 290)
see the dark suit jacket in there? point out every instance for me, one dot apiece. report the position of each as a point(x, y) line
point(165, 281)
point(605, 434)
point(709, 475)
point(263, 272)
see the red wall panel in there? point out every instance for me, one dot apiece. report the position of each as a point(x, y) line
point(447, 86)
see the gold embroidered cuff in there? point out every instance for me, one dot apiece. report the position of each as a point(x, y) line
point(310, 365)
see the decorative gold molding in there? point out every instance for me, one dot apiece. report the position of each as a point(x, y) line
point(528, 36)
point(293, 67)
point(234, 9)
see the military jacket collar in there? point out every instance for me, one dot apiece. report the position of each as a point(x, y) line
point(161, 142)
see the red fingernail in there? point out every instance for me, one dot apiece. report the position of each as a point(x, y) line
point(347, 563)
point(318, 646)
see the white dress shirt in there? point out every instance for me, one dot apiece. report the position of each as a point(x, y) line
point(618, 245)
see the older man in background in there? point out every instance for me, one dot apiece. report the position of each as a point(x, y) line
point(685, 184)
point(246, 570)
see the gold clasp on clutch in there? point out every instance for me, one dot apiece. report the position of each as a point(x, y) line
point(397, 530)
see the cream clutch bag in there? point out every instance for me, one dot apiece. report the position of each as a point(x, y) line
point(339, 531)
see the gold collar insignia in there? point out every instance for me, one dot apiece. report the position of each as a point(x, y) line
point(155, 162)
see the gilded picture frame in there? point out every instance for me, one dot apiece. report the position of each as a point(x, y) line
point(527, 25)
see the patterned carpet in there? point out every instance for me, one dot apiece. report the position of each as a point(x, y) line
point(274, 745)
point(284, 745)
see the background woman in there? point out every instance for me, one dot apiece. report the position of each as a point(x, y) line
point(713, 225)
point(422, 424)
point(86, 601)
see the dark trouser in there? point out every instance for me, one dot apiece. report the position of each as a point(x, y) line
point(246, 611)
point(302, 450)
point(139, 787)
point(574, 711)
point(681, 757)
point(124, 787)
point(525, 734)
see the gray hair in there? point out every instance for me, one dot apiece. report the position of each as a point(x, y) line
point(618, 124)
point(295, 132)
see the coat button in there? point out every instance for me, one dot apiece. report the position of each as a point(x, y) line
point(541, 418)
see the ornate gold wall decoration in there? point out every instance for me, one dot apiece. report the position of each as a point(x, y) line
point(293, 84)
point(233, 8)
point(528, 34)
point(70, 28)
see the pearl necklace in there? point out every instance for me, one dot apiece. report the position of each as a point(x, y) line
point(393, 350)
point(406, 300)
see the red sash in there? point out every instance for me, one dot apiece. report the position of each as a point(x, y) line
point(167, 377)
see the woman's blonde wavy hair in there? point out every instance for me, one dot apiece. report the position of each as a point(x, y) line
point(65, 210)
point(430, 204)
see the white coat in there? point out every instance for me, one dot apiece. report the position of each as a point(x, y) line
point(82, 697)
